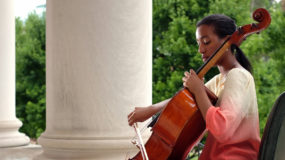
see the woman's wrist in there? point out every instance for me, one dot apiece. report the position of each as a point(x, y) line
point(203, 102)
point(153, 109)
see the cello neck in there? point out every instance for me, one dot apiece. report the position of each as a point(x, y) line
point(213, 59)
point(260, 15)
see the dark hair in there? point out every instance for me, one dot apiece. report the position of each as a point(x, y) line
point(224, 26)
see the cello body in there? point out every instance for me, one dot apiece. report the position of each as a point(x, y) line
point(172, 138)
point(180, 124)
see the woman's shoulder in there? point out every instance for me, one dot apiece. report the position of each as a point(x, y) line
point(239, 73)
point(239, 77)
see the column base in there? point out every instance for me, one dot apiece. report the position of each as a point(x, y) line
point(60, 154)
point(85, 149)
point(10, 136)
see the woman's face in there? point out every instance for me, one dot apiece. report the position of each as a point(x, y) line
point(207, 41)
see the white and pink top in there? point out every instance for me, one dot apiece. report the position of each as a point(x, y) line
point(233, 123)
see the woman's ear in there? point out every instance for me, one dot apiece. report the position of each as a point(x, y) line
point(228, 36)
point(225, 38)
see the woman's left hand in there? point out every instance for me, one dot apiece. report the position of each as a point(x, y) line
point(193, 82)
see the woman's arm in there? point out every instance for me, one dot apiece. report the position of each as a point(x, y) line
point(236, 101)
point(141, 114)
point(196, 86)
point(203, 102)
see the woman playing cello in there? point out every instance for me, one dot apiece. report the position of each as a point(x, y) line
point(232, 123)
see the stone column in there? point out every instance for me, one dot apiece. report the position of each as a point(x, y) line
point(99, 66)
point(9, 124)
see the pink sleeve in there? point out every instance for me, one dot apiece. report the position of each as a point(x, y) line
point(221, 124)
point(234, 104)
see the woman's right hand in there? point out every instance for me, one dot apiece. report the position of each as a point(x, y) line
point(140, 114)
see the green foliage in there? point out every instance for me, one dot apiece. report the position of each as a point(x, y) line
point(275, 35)
point(30, 74)
point(174, 46)
point(240, 13)
point(267, 88)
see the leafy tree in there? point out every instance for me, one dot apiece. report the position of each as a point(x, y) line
point(174, 43)
point(30, 74)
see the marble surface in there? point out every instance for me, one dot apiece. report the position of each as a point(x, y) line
point(20, 153)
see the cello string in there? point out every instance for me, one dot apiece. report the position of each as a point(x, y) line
point(142, 130)
point(145, 126)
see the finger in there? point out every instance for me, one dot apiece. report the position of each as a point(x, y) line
point(131, 120)
point(186, 74)
point(192, 72)
point(185, 85)
point(131, 123)
point(130, 114)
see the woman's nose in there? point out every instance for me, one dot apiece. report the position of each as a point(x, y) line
point(201, 49)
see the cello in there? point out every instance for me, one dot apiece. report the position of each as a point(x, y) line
point(180, 123)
